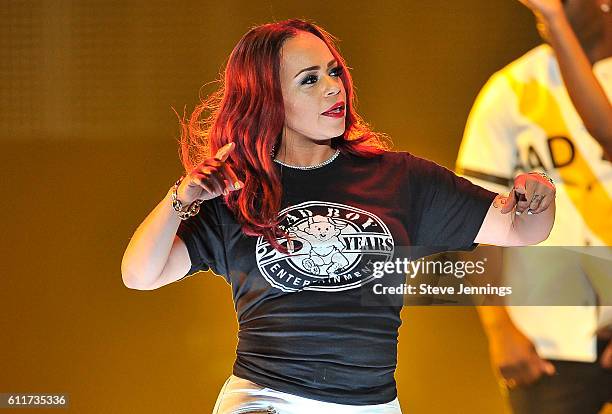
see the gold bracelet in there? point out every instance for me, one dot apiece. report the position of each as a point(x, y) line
point(189, 211)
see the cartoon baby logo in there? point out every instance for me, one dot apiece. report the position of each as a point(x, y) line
point(319, 237)
point(332, 248)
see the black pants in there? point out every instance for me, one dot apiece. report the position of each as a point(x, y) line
point(577, 388)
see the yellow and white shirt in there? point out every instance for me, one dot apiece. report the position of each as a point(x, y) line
point(524, 120)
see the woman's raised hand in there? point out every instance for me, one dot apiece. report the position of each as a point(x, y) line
point(211, 178)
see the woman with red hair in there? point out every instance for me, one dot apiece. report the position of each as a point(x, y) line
point(312, 202)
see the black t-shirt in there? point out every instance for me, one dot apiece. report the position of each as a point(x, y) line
point(302, 326)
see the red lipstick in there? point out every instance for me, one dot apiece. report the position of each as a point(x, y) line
point(335, 111)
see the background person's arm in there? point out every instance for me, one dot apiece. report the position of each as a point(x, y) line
point(511, 352)
point(584, 90)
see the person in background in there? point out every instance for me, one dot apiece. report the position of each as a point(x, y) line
point(550, 111)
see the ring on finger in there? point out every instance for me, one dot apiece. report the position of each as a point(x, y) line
point(535, 201)
point(534, 204)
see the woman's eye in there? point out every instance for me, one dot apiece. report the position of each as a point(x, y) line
point(337, 71)
point(309, 78)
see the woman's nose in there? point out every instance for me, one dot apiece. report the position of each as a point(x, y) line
point(332, 90)
point(332, 86)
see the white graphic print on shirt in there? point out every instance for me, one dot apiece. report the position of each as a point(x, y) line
point(332, 248)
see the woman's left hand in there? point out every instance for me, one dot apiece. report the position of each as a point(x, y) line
point(532, 192)
point(545, 8)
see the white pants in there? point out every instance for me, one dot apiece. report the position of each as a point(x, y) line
point(241, 396)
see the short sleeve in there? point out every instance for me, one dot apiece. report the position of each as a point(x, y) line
point(448, 209)
point(488, 152)
point(203, 237)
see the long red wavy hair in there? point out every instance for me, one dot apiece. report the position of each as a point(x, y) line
point(248, 109)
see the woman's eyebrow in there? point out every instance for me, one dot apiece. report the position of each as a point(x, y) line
point(331, 62)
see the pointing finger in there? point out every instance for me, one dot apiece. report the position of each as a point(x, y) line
point(224, 151)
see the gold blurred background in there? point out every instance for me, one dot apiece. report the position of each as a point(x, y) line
point(89, 148)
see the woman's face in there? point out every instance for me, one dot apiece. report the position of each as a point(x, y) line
point(309, 93)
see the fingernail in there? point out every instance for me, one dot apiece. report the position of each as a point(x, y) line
point(518, 213)
point(529, 212)
point(221, 151)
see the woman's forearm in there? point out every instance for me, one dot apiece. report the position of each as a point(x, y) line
point(149, 248)
point(586, 93)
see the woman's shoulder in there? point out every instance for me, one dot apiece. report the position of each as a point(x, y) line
point(385, 156)
point(406, 159)
point(397, 159)
point(413, 166)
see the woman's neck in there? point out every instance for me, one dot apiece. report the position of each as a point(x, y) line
point(304, 153)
